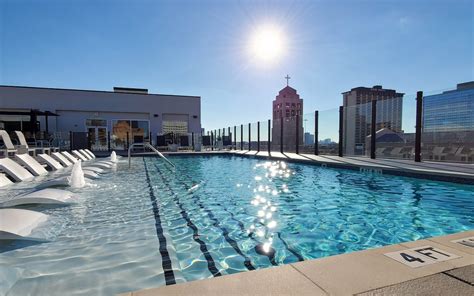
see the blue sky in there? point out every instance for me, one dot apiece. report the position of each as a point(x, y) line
point(200, 48)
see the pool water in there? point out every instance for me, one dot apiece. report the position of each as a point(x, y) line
point(150, 226)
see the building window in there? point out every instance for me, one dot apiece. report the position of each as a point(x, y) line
point(138, 131)
point(96, 122)
point(175, 127)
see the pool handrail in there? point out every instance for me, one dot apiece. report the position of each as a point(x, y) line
point(152, 148)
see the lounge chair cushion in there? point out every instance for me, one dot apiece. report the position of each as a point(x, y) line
point(44, 196)
point(31, 164)
point(18, 223)
point(14, 170)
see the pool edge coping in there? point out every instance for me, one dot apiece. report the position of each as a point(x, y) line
point(352, 273)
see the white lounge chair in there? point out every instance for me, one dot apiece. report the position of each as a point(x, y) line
point(47, 196)
point(51, 162)
point(79, 155)
point(44, 196)
point(69, 156)
point(87, 155)
point(4, 181)
point(107, 164)
point(65, 162)
point(14, 170)
point(90, 153)
point(31, 164)
point(18, 223)
point(62, 159)
point(9, 147)
point(38, 170)
point(24, 144)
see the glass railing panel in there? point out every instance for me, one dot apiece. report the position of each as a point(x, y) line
point(265, 135)
point(277, 126)
point(395, 128)
point(448, 126)
point(329, 132)
point(357, 121)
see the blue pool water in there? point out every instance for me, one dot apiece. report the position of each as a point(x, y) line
point(216, 215)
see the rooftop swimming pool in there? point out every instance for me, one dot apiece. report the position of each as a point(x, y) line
point(149, 226)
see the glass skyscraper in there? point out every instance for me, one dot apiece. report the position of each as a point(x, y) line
point(450, 111)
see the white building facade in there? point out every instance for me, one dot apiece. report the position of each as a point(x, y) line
point(105, 115)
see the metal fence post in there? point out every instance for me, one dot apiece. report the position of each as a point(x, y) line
point(71, 136)
point(258, 136)
point(108, 141)
point(192, 140)
point(268, 140)
point(241, 137)
point(235, 137)
point(419, 114)
point(212, 141)
point(281, 134)
point(316, 132)
point(128, 141)
point(297, 142)
point(372, 129)
point(341, 131)
point(89, 141)
point(250, 138)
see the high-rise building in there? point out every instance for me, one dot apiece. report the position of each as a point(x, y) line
point(450, 111)
point(308, 138)
point(286, 106)
point(357, 115)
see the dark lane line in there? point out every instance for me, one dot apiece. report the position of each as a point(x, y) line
point(271, 256)
point(241, 225)
point(211, 265)
point(165, 257)
point(247, 262)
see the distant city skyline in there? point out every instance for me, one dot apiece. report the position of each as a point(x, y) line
point(200, 48)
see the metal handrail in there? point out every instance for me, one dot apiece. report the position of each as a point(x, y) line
point(152, 148)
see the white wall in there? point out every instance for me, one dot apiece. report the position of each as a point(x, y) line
point(80, 104)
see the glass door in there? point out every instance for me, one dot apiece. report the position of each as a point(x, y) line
point(98, 138)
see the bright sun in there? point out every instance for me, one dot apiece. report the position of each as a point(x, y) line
point(267, 44)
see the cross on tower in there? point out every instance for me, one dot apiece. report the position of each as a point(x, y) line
point(287, 79)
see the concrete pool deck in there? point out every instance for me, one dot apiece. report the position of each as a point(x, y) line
point(447, 268)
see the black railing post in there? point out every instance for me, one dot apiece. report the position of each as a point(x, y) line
point(89, 141)
point(281, 134)
point(128, 141)
point(258, 136)
point(418, 127)
point(235, 137)
point(297, 142)
point(108, 141)
point(316, 132)
point(268, 141)
point(212, 141)
point(372, 129)
point(241, 137)
point(192, 140)
point(341, 131)
point(71, 135)
point(250, 137)
point(151, 138)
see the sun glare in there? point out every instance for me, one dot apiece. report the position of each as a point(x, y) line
point(267, 44)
